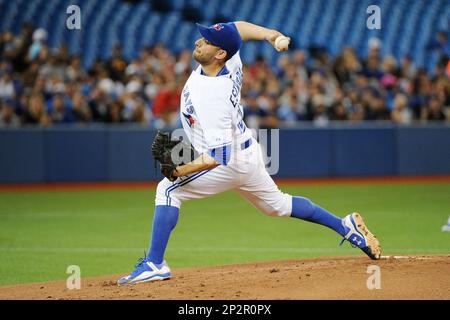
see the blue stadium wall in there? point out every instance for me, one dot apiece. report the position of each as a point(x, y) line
point(123, 153)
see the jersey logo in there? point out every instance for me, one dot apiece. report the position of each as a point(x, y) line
point(190, 108)
point(218, 27)
point(189, 119)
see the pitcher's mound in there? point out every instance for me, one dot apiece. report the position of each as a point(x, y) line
point(398, 277)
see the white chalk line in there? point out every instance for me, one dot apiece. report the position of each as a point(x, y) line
point(404, 257)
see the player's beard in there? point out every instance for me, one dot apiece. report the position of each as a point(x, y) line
point(201, 58)
point(197, 57)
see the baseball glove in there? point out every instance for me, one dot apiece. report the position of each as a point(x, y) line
point(162, 147)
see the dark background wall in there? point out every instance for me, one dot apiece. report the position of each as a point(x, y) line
point(123, 153)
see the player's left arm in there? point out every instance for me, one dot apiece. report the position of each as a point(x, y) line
point(203, 162)
point(250, 31)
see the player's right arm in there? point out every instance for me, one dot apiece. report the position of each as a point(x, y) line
point(203, 162)
point(250, 31)
point(206, 161)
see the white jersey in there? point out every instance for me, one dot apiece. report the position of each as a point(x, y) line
point(210, 109)
point(212, 115)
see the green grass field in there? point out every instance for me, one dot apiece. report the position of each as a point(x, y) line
point(104, 232)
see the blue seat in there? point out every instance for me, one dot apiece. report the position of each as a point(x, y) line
point(407, 26)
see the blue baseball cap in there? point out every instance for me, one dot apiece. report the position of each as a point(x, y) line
point(222, 35)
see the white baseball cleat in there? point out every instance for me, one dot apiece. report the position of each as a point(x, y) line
point(359, 235)
point(146, 271)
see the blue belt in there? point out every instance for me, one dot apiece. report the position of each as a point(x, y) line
point(246, 144)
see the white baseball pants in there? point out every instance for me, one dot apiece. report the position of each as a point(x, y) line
point(245, 173)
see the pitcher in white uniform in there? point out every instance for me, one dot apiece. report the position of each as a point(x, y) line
point(230, 158)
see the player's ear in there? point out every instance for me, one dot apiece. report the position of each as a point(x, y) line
point(221, 54)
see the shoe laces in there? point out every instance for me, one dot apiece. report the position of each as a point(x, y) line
point(141, 261)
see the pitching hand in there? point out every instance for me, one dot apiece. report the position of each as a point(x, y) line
point(272, 36)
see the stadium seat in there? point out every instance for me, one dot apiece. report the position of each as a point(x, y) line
point(407, 26)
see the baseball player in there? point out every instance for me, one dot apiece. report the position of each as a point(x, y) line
point(228, 156)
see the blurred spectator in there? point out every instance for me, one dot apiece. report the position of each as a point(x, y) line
point(375, 106)
point(142, 114)
point(420, 93)
point(98, 102)
point(43, 85)
point(60, 112)
point(346, 66)
point(7, 87)
point(401, 113)
point(434, 110)
point(291, 108)
point(80, 108)
point(167, 102)
point(8, 117)
point(407, 69)
point(19, 49)
point(114, 113)
point(131, 99)
point(117, 64)
point(35, 112)
point(39, 38)
point(339, 113)
point(441, 44)
point(268, 107)
point(183, 65)
point(74, 72)
point(319, 110)
point(252, 112)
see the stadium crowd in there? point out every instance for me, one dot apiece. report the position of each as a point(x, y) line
point(41, 86)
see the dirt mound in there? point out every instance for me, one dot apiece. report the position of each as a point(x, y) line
point(401, 277)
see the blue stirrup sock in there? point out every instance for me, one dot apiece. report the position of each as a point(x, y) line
point(305, 209)
point(164, 221)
